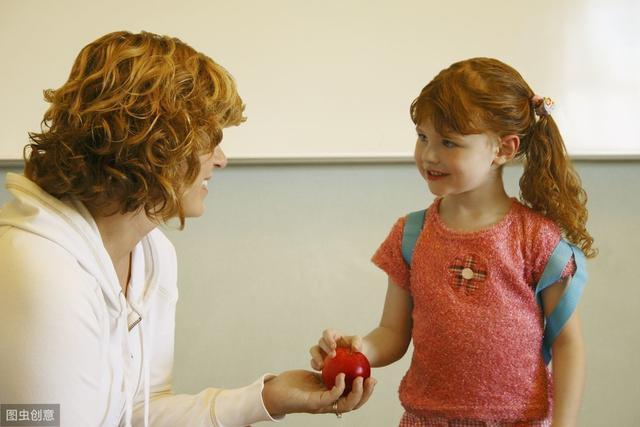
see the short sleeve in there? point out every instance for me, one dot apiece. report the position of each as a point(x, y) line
point(545, 239)
point(389, 258)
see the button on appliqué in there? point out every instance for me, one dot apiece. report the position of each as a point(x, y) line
point(467, 273)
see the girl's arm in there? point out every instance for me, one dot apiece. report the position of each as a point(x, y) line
point(568, 363)
point(383, 345)
point(389, 341)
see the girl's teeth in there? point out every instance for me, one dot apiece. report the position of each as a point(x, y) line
point(205, 184)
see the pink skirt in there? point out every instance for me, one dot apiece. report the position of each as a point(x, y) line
point(410, 420)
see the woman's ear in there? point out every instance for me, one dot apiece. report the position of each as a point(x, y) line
point(507, 149)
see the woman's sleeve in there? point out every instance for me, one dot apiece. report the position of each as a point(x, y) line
point(51, 350)
point(211, 407)
point(389, 258)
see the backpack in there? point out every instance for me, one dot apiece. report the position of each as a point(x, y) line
point(559, 258)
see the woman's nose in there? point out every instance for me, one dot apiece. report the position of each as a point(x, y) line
point(219, 159)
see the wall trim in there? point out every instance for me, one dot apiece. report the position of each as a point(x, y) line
point(284, 161)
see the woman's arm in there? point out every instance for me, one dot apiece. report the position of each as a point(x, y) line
point(568, 363)
point(267, 398)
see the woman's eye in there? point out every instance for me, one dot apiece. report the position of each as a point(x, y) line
point(422, 138)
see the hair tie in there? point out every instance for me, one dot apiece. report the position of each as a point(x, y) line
point(543, 106)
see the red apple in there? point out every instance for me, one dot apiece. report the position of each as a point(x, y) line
point(352, 363)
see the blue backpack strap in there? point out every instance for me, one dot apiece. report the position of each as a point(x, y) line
point(559, 258)
point(410, 234)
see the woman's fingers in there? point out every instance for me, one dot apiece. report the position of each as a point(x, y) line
point(335, 393)
point(361, 391)
point(349, 402)
point(369, 385)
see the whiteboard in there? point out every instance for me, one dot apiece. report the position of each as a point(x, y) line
point(334, 79)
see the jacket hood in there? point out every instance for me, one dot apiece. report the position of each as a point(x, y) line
point(66, 222)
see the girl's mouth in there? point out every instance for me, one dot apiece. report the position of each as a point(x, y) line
point(436, 175)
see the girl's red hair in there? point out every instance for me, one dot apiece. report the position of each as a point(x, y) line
point(481, 95)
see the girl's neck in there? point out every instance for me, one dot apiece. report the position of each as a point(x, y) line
point(476, 209)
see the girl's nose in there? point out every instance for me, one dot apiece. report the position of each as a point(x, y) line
point(219, 159)
point(429, 155)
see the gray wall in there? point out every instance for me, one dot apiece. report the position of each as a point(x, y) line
point(283, 252)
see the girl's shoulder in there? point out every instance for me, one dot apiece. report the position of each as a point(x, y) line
point(539, 237)
point(533, 223)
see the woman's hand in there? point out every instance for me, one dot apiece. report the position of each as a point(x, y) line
point(330, 340)
point(303, 391)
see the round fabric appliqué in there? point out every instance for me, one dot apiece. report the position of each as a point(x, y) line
point(467, 273)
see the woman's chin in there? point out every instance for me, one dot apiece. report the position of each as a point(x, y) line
point(194, 211)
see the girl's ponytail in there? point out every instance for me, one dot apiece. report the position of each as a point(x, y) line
point(550, 184)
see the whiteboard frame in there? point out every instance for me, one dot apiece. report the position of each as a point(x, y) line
point(346, 160)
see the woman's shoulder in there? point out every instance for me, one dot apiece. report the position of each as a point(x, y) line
point(44, 276)
point(33, 255)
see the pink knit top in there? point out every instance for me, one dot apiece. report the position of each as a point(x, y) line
point(477, 328)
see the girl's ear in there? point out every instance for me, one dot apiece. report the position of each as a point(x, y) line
point(507, 149)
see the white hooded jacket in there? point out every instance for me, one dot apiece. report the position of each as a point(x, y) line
point(69, 336)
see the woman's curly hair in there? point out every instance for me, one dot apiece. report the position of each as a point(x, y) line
point(483, 94)
point(125, 132)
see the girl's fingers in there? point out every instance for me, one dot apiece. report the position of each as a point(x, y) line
point(325, 347)
point(356, 343)
point(330, 337)
point(353, 342)
point(317, 358)
point(315, 366)
point(344, 342)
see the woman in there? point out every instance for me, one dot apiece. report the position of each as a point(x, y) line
point(130, 141)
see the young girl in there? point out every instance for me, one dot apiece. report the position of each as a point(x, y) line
point(473, 289)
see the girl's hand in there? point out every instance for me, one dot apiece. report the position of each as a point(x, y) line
point(304, 391)
point(330, 340)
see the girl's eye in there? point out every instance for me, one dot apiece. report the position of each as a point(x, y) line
point(422, 137)
point(447, 143)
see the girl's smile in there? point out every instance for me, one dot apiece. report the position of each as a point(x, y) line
point(434, 175)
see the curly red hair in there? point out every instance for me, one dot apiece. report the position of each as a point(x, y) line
point(481, 95)
point(125, 130)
